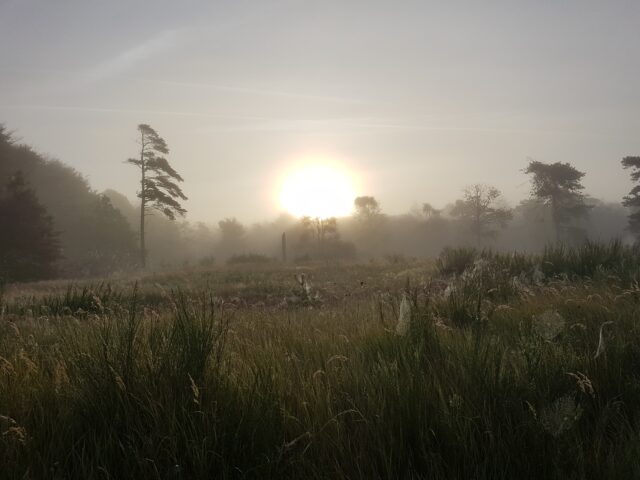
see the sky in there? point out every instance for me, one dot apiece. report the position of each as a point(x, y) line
point(416, 99)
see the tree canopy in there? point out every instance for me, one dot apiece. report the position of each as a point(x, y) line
point(479, 209)
point(29, 247)
point(81, 217)
point(632, 200)
point(159, 189)
point(559, 187)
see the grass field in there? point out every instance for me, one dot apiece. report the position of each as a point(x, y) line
point(473, 365)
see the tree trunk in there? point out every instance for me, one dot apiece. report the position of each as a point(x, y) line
point(143, 194)
point(284, 247)
point(555, 219)
point(478, 229)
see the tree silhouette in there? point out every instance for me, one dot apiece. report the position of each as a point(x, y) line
point(319, 231)
point(480, 210)
point(370, 224)
point(91, 243)
point(632, 200)
point(429, 211)
point(29, 246)
point(558, 186)
point(158, 181)
point(232, 236)
point(367, 209)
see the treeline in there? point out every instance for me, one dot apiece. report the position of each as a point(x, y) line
point(91, 235)
point(53, 224)
point(557, 211)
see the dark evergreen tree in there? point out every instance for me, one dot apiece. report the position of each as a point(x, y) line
point(29, 246)
point(95, 239)
point(559, 187)
point(632, 200)
point(159, 189)
point(109, 239)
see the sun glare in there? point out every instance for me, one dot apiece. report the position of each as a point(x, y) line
point(318, 190)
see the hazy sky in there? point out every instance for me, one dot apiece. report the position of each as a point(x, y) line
point(418, 99)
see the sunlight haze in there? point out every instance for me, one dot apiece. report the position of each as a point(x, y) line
point(317, 190)
point(424, 98)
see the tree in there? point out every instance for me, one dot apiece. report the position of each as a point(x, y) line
point(429, 211)
point(91, 243)
point(232, 236)
point(632, 200)
point(158, 181)
point(320, 236)
point(319, 230)
point(559, 187)
point(29, 246)
point(480, 210)
point(112, 240)
point(367, 209)
point(232, 230)
point(370, 223)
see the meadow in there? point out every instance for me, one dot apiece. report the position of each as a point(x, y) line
point(470, 365)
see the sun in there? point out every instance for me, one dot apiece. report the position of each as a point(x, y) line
point(317, 190)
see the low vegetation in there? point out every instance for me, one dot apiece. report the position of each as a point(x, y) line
point(482, 365)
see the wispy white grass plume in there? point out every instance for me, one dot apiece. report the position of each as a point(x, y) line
point(602, 344)
point(404, 316)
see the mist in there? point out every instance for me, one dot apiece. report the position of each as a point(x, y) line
point(418, 100)
point(301, 239)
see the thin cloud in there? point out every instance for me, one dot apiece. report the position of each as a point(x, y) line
point(260, 91)
point(73, 108)
point(129, 58)
point(246, 123)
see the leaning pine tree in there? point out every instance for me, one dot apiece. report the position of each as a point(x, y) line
point(159, 189)
point(632, 200)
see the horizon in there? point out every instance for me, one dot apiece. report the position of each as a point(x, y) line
point(243, 90)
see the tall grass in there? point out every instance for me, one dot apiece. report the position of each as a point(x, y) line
point(590, 260)
point(492, 379)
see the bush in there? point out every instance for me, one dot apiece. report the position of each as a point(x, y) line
point(454, 261)
point(248, 258)
point(207, 262)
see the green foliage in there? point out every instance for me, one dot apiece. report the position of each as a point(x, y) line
point(454, 261)
point(159, 189)
point(611, 262)
point(479, 210)
point(93, 236)
point(632, 200)
point(248, 258)
point(29, 248)
point(559, 186)
point(501, 382)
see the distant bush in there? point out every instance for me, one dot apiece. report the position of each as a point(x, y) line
point(395, 258)
point(306, 258)
point(208, 261)
point(456, 260)
point(248, 258)
point(586, 261)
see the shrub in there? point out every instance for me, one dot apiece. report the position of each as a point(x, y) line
point(248, 258)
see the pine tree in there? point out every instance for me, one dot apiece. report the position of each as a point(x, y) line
point(158, 181)
point(632, 200)
point(559, 186)
point(29, 246)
